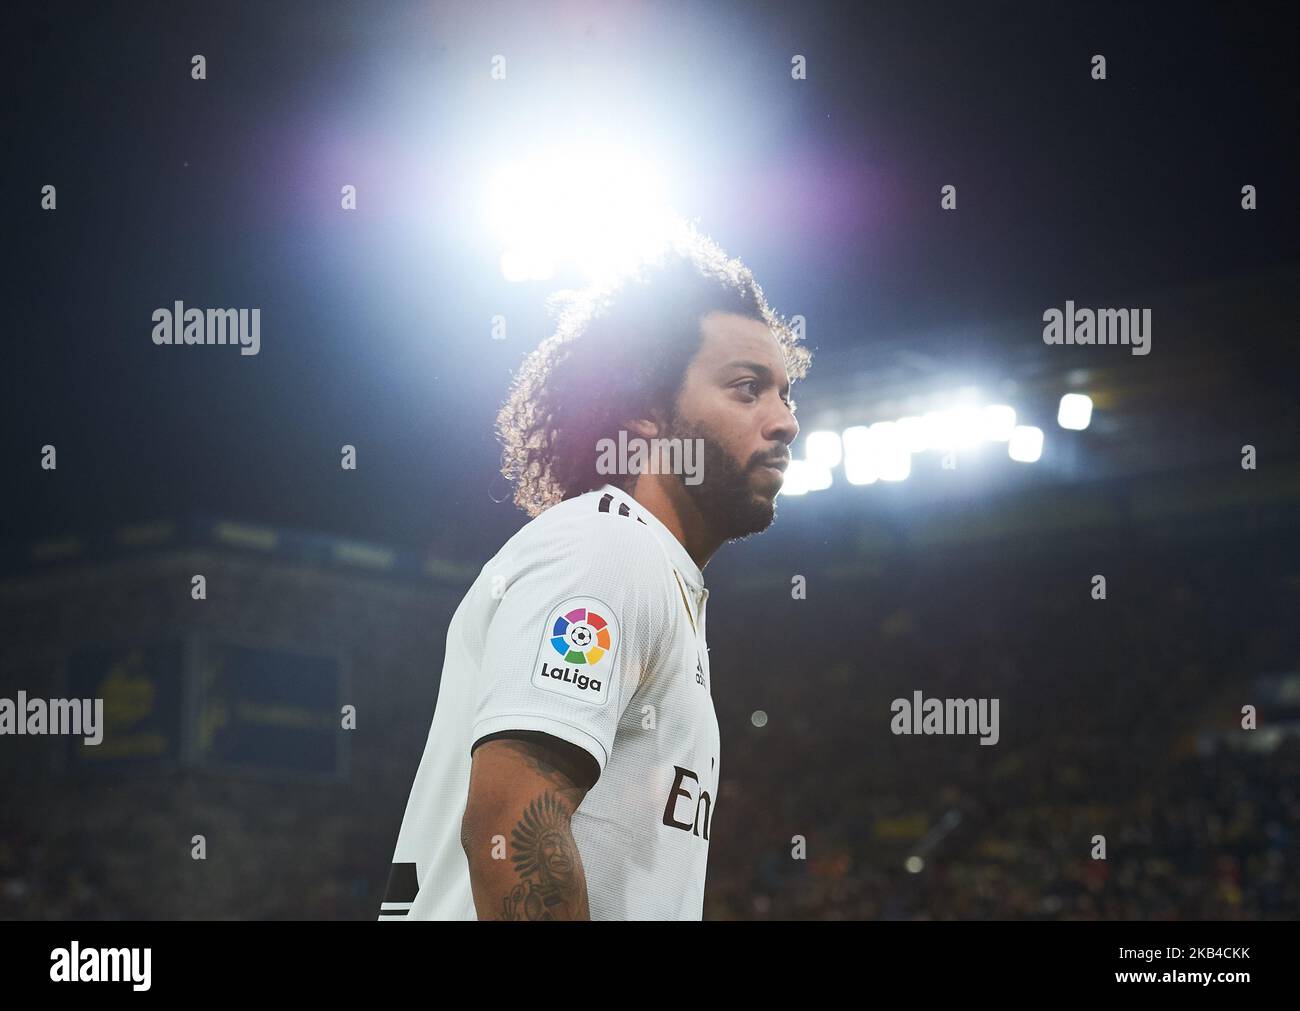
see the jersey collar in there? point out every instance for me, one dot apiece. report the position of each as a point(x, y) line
point(677, 552)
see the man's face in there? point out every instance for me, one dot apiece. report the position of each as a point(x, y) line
point(735, 398)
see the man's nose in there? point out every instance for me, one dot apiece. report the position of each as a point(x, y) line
point(782, 426)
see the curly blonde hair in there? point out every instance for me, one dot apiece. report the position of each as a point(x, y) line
point(618, 350)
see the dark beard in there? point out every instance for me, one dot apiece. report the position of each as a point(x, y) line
point(723, 496)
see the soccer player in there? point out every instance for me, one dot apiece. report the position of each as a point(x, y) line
point(571, 770)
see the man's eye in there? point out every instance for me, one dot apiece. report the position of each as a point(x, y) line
point(749, 384)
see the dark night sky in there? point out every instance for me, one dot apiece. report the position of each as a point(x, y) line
point(374, 328)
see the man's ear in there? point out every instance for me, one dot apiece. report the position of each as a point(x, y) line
point(650, 427)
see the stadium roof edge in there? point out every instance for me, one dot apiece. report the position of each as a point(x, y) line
point(162, 535)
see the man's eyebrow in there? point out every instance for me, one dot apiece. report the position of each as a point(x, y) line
point(763, 371)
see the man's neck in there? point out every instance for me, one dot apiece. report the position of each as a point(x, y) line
point(666, 499)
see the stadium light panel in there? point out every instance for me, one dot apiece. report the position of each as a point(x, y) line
point(819, 478)
point(998, 420)
point(802, 477)
point(859, 461)
point(1026, 444)
point(967, 426)
point(1074, 412)
point(824, 449)
point(912, 433)
point(956, 428)
point(796, 479)
point(893, 460)
point(937, 428)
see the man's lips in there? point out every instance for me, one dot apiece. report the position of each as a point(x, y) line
point(775, 468)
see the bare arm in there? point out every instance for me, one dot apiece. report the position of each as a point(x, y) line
point(524, 786)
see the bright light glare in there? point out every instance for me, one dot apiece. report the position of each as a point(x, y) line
point(823, 449)
point(859, 462)
point(819, 478)
point(591, 205)
point(967, 427)
point(955, 428)
point(912, 433)
point(878, 453)
point(1075, 411)
point(998, 420)
point(883, 451)
point(937, 429)
point(521, 264)
point(1026, 444)
point(893, 461)
point(796, 479)
point(802, 477)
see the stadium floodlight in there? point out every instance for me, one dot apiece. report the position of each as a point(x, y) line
point(859, 461)
point(999, 420)
point(796, 479)
point(594, 206)
point(956, 428)
point(819, 478)
point(967, 426)
point(1026, 444)
point(802, 477)
point(912, 433)
point(937, 428)
point(824, 449)
point(895, 467)
point(893, 459)
point(1074, 412)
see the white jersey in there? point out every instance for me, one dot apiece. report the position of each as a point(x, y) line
point(587, 625)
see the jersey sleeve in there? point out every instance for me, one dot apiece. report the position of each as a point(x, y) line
point(577, 625)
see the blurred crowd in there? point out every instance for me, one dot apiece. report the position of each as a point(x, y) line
point(1119, 734)
point(1123, 785)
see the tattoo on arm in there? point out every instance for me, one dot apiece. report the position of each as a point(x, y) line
point(545, 879)
point(552, 884)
